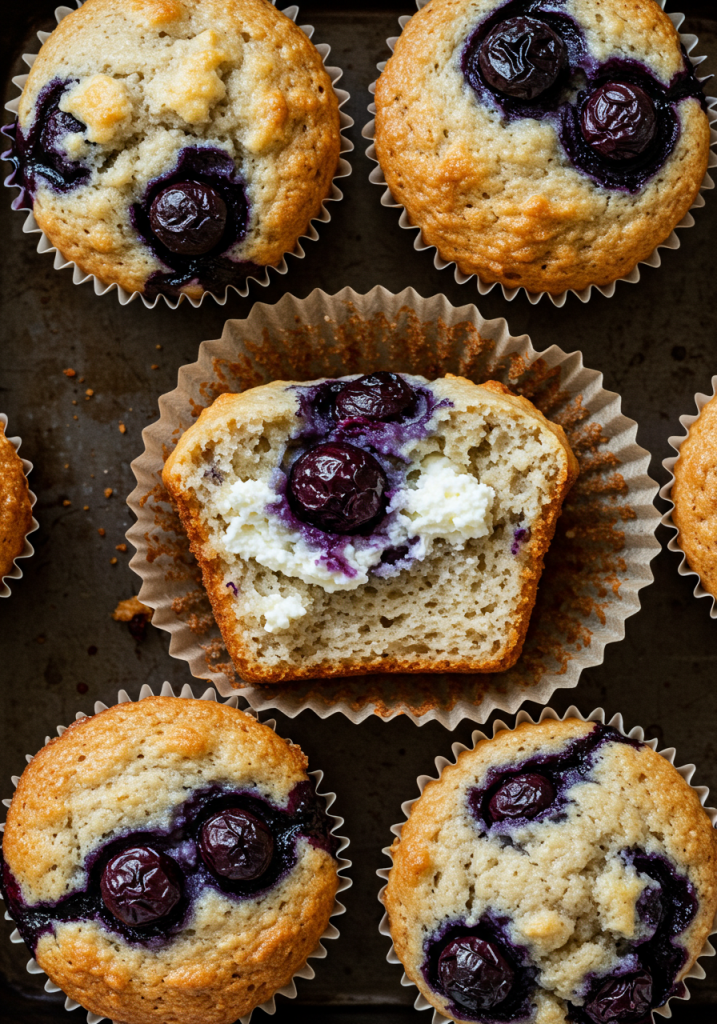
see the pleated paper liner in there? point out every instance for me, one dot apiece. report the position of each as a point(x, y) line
point(263, 279)
point(376, 177)
point(686, 771)
point(598, 562)
point(684, 568)
point(331, 932)
point(28, 550)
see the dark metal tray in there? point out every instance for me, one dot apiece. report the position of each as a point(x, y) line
point(656, 343)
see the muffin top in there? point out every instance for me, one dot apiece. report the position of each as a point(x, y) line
point(15, 504)
point(554, 873)
point(179, 844)
point(176, 145)
point(548, 145)
point(694, 494)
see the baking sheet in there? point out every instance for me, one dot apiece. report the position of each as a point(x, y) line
point(655, 343)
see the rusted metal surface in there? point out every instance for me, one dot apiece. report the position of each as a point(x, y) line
point(60, 648)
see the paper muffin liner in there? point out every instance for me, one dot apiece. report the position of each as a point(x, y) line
point(598, 562)
point(675, 442)
point(376, 177)
point(28, 550)
point(79, 276)
point(331, 931)
point(687, 771)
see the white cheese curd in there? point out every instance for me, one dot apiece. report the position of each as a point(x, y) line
point(445, 502)
point(279, 612)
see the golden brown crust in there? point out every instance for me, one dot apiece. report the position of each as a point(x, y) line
point(15, 505)
point(501, 200)
point(252, 405)
point(694, 493)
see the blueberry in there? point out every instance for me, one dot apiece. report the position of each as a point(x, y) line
point(338, 488)
point(140, 885)
point(522, 796)
point(57, 125)
point(522, 58)
point(188, 218)
point(624, 1000)
point(236, 845)
point(377, 396)
point(474, 974)
point(619, 121)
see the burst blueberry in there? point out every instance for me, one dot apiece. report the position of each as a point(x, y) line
point(522, 58)
point(522, 796)
point(624, 1000)
point(377, 396)
point(619, 120)
point(188, 218)
point(139, 885)
point(474, 973)
point(236, 845)
point(338, 488)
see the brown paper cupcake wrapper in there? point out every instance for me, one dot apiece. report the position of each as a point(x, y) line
point(598, 562)
point(79, 276)
point(28, 550)
point(637, 733)
point(666, 493)
point(331, 932)
point(376, 177)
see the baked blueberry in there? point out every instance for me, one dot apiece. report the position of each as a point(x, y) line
point(236, 845)
point(377, 396)
point(522, 58)
point(140, 885)
point(474, 973)
point(523, 796)
point(188, 218)
point(619, 120)
point(338, 488)
point(623, 1000)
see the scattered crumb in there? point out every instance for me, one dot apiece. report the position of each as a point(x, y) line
point(101, 530)
point(89, 392)
point(92, 476)
point(81, 380)
point(158, 347)
point(113, 560)
point(108, 492)
point(67, 502)
point(67, 465)
point(155, 366)
point(85, 508)
point(74, 401)
point(69, 372)
point(121, 547)
point(40, 639)
point(135, 614)
point(75, 417)
point(122, 428)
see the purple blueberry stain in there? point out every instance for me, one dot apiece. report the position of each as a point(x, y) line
point(521, 535)
point(140, 886)
point(483, 974)
point(234, 588)
point(304, 816)
point(214, 474)
point(338, 488)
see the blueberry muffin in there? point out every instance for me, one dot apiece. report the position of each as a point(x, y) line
point(15, 505)
point(381, 523)
point(559, 872)
point(173, 146)
point(545, 145)
point(694, 494)
point(169, 860)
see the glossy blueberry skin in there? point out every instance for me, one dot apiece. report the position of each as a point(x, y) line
point(188, 218)
point(338, 488)
point(619, 121)
point(236, 845)
point(522, 796)
point(522, 58)
point(139, 885)
point(377, 396)
point(625, 1000)
point(474, 974)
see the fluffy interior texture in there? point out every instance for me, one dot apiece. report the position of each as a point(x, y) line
point(568, 896)
point(464, 606)
point(158, 76)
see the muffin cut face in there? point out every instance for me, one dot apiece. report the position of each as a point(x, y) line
point(543, 145)
point(341, 534)
point(15, 505)
point(560, 872)
point(168, 840)
point(175, 146)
